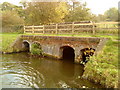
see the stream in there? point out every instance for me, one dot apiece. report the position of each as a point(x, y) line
point(21, 70)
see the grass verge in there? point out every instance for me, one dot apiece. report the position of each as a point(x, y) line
point(103, 68)
point(6, 41)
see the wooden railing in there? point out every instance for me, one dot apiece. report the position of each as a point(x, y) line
point(73, 28)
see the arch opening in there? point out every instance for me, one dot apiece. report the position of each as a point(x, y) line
point(26, 46)
point(68, 53)
point(86, 53)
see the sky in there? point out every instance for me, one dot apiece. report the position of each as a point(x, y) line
point(100, 6)
point(96, 6)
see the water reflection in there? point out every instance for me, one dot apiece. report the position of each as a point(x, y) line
point(67, 69)
point(23, 71)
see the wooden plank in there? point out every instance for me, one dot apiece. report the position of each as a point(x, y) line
point(93, 28)
point(84, 24)
point(43, 29)
point(24, 29)
point(107, 28)
point(82, 28)
point(33, 29)
point(73, 28)
point(50, 29)
point(108, 23)
point(64, 29)
point(56, 28)
point(38, 26)
point(51, 25)
point(64, 24)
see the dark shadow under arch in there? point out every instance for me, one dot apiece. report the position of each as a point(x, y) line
point(26, 46)
point(68, 53)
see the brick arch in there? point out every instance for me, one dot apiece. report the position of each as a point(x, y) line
point(26, 45)
point(67, 52)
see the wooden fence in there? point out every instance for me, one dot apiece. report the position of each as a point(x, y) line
point(74, 28)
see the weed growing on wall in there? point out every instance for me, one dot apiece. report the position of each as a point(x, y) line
point(36, 49)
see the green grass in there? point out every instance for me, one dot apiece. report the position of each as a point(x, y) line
point(103, 68)
point(7, 40)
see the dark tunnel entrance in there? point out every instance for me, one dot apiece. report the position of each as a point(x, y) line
point(26, 46)
point(68, 53)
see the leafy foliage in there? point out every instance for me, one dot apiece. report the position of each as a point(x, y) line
point(11, 7)
point(79, 13)
point(112, 14)
point(45, 12)
point(12, 17)
point(36, 49)
point(10, 20)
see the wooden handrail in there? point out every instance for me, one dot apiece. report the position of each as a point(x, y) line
point(58, 28)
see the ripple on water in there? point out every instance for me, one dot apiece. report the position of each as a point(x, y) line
point(22, 71)
point(19, 76)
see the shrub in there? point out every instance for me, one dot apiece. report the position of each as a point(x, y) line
point(36, 49)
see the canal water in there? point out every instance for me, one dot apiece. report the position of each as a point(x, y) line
point(21, 70)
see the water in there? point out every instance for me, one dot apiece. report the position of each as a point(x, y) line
point(24, 71)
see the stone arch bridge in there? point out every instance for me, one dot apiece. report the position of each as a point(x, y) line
point(59, 46)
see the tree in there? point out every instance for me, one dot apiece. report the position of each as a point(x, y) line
point(11, 7)
point(10, 19)
point(7, 6)
point(24, 3)
point(111, 14)
point(79, 13)
point(45, 12)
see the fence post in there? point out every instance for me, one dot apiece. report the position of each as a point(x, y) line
point(32, 28)
point(73, 28)
point(56, 28)
point(43, 29)
point(93, 27)
point(24, 29)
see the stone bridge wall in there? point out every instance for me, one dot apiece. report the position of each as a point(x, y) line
point(51, 45)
